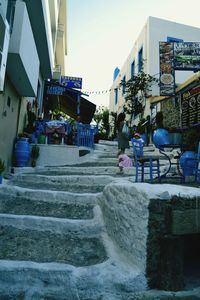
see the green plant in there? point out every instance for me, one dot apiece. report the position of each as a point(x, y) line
point(2, 166)
point(136, 92)
point(191, 138)
point(35, 152)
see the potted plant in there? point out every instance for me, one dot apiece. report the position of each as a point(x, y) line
point(160, 135)
point(35, 152)
point(2, 169)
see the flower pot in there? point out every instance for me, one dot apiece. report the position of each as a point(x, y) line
point(160, 137)
point(1, 179)
point(188, 166)
point(22, 152)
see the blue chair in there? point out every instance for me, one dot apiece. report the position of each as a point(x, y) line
point(197, 171)
point(142, 162)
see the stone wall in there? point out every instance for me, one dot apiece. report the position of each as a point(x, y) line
point(171, 112)
point(125, 213)
point(150, 224)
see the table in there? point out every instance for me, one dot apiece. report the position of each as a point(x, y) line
point(172, 147)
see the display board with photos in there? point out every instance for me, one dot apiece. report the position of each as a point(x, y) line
point(167, 80)
point(190, 107)
point(176, 56)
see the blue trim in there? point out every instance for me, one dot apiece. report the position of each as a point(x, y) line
point(140, 59)
point(132, 69)
point(123, 86)
point(116, 96)
point(174, 40)
point(116, 72)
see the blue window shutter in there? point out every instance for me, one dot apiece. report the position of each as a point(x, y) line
point(171, 39)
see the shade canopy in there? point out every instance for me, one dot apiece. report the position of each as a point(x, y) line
point(66, 100)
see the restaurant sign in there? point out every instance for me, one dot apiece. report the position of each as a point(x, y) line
point(167, 78)
point(190, 107)
point(176, 56)
point(71, 82)
point(187, 56)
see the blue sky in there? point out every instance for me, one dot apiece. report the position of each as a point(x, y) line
point(101, 34)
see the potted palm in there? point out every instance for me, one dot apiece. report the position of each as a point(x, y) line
point(35, 152)
point(2, 169)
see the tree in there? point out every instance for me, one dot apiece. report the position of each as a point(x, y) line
point(136, 90)
point(101, 117)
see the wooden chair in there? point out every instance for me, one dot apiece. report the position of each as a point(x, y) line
point(142, 162)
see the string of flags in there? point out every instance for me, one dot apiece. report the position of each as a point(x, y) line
point(109, 90)
point(100, 92)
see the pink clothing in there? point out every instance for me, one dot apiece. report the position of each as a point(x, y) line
point(124, 161)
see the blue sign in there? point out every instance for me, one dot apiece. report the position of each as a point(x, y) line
point(55, 90)
point(71, 82)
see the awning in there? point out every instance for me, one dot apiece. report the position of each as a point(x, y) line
point(65, 99)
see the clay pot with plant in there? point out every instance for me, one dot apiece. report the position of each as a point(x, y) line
point(35, 152)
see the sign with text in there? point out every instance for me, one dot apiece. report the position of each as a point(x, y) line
point(190, 107)
point(187, 56)
point(71, 82)
point(167, 78)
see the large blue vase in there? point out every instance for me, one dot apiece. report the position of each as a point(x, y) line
point(160, 137)
point(22, 152)
point(188, 166)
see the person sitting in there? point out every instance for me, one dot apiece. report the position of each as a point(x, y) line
point(123, 161)
point(138, 137)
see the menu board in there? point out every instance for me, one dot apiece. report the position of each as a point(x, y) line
point(190, 105)
point(167, 78)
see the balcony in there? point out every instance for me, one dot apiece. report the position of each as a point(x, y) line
point(23, 61)
point(42, 34)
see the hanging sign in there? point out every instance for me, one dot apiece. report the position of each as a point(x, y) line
point(71, 82)
point(187, 56)
point(167, 78)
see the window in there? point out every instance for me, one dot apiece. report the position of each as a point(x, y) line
point(10, 13)
point(116, 96)
point(132, 69)
point(174, 40)
point(123, 86)
point(140, 60)
point(8, 101)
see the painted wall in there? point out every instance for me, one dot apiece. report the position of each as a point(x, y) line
point(9, 108)
point(155, 30)
point(22, 44)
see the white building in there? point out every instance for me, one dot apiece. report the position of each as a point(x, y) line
point(146, 50)
point(33, 45)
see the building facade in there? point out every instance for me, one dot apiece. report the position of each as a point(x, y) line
point(33, 37)
point(145, 56)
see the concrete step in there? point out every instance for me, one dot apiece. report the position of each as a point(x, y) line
point(40, 239)
point(73, 183)
point(56, 281)
point(20, 201)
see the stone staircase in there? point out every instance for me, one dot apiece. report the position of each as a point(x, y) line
point(53, 241)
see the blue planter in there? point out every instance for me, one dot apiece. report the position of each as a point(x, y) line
point(22, 152)
point(160, 137)
point(188, 166)
point(1, 179)
point(175, 138)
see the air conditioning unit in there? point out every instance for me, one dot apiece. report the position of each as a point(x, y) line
point(4, 44)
